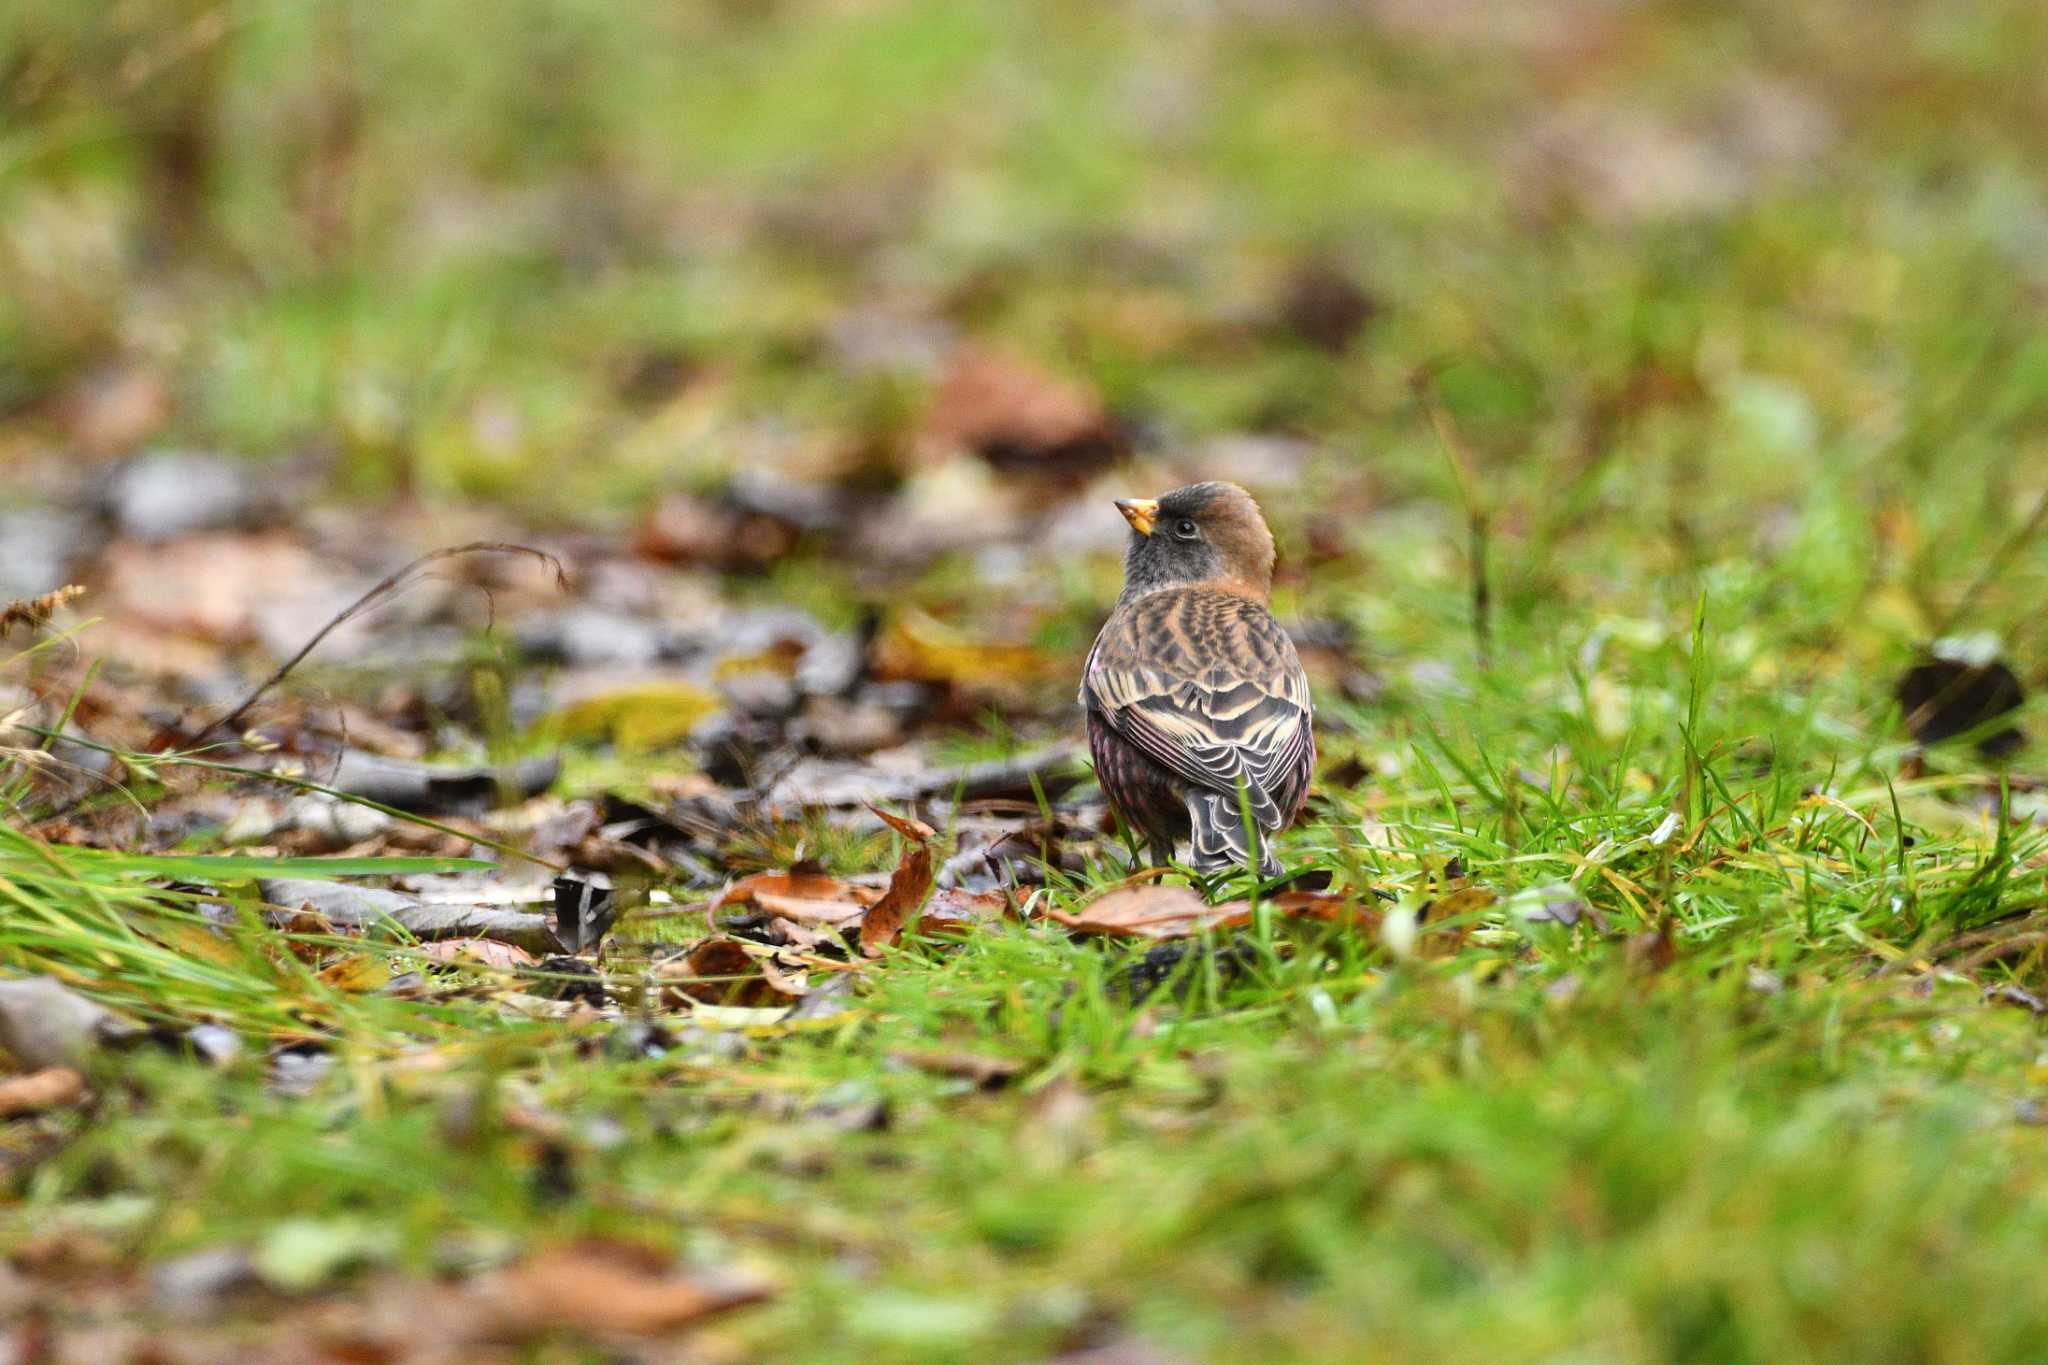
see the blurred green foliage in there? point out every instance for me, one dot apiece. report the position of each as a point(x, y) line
point(1805, 238)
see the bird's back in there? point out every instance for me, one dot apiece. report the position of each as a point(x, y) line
point(1205, 682)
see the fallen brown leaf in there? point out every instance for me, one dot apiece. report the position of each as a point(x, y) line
point(1652, 950)
point(958, 911)
point(211, 586)
point(308, 922)
point(908, 826)
point(987, 1072)
point(686, 529)
point(1152, 911)
point(723, 971)
point(805, 897)
point(883, 924)
point(1155, 911)
point(611, 1287)
point(1330, 906)
point(56, 1087)
point(488, 952)
point(1019, 417)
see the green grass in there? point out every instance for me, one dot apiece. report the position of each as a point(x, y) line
point(1808, 1137)
point(1738, 464)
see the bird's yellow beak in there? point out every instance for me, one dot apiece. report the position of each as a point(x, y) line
point(1139, 512)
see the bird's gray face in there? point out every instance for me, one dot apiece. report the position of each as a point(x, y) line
point(1171, 540)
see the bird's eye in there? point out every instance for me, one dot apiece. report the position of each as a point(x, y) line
point(1186, 529)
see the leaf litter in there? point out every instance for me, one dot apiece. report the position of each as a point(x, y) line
point(1151, 910)
point(402, 843)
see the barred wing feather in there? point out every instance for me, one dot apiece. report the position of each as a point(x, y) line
point(1207, 683)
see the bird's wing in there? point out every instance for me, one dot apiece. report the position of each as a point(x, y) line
point(1207, 683)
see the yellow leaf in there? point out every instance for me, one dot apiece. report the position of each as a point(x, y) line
point(648, 716)
point(920, 647)
point(357, 974)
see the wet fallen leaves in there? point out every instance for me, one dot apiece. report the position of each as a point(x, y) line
point(727, 971)
point(1152, 911)
point(786, 728)
point(55, 1087)
point(606, 1287)
point(800, 896)
point(231, 1303)
point(883, 923)
point(956, 910)
point(1155, 911)
point(1018, 416)
point(484, 952)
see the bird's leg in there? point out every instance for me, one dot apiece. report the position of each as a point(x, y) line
point(1160, 851)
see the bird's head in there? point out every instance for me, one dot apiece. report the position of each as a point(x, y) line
point(1208, 533)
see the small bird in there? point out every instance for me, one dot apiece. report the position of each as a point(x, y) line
point(1198, 708)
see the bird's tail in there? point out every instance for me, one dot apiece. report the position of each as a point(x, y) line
point(1218, 838)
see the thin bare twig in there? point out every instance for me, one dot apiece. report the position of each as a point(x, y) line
point(307, 785)
point(384, 588)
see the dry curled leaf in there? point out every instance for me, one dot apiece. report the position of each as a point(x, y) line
point(989, 1073)
point(56, 1087)
point(804, 897)
point(1152, 911)
point(909, 827)
point(725, 971)
point(791, 982)
point(956, 910)
point(484, 951)
point(1155, 911)
point(1019, 417)
point(887, 918)
point(612, 1287)
point(1329, 906)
